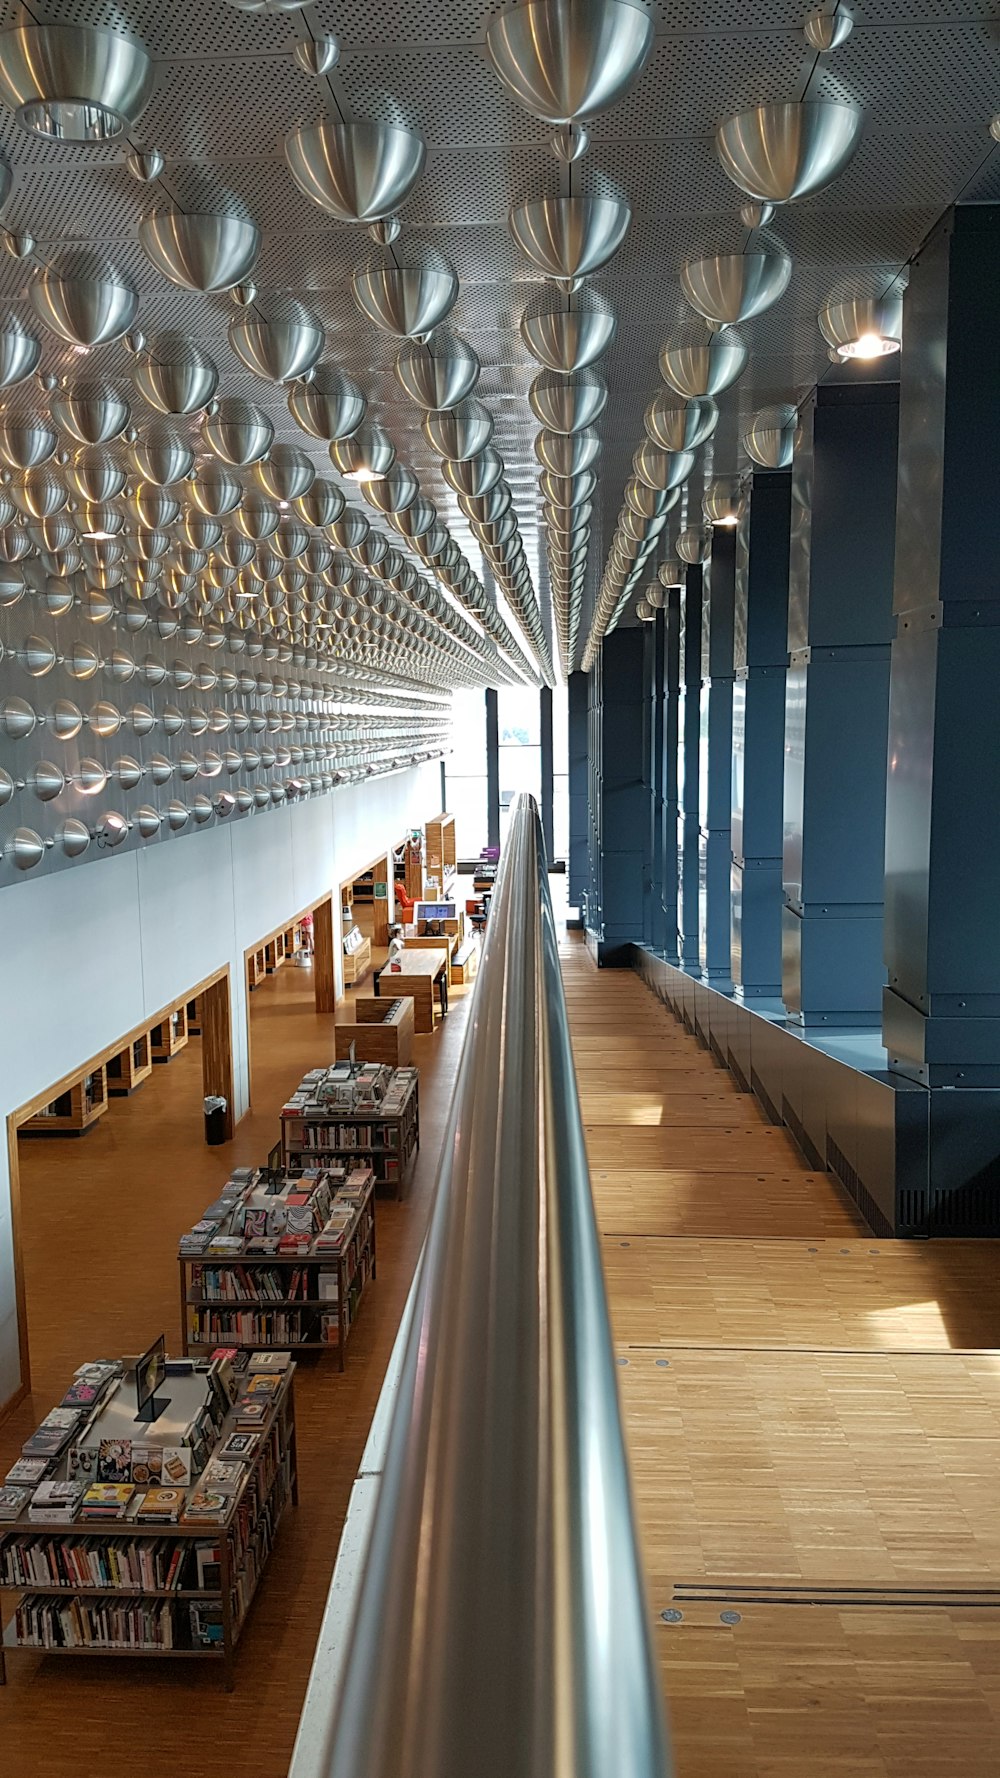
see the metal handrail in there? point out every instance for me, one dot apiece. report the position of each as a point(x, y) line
point(501, 1629)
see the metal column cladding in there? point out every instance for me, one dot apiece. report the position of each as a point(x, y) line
point(577, 787)
point(671, 687)
point(624, 790)
point(656, 636)
point(942, 1003)
point(760, 653)
point(688, 744)
point(715, 787)
point(836, 704)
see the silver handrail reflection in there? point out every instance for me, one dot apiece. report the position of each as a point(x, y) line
point(501, 1629)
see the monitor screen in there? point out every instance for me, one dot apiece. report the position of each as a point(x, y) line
point(150, 1371)
point(434, 910)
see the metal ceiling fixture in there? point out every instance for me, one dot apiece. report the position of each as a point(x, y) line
point(567, 453)
point(568, 404)
point(174, 375)
point(570, 144)
point(286, 473)
point(754, 215)
point(567, 339)
point(789, 150)
point(237, 432)
point(19, 246)
point(328, 407)
point(205, 250)
point(407, 300)
point(73, 83)
point(440, 373)
point(863, 326)
point(459, 432)
point(20, 353)
point(704, 366)
point(771, 436)
point(724, 502)
point(83, 311)
point(565, 60)
point(730, 287)
point(145, 165)
point(694, 546)
point(678, 424)
point(279, 344)
point(824, 31)
point(162, 456)
point(569, 237)
point(360, 172)
point(366, 455)
point(317, 55)
point(670, 575)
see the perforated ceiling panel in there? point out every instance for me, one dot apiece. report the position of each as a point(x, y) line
point(227, 92)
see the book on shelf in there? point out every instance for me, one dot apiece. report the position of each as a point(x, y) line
point(53, 1434)
point(206, 1506)
point(239, 1447)
point(27, 1472)
point(269, 1361)
point(207, 1623)
point(56, 1499)
point(251, 1412)
point(106, 1500)
point(223, 1477)
point(161, 1506)
point(76, 1623)
point(13, 1501)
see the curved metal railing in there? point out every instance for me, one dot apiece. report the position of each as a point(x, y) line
point(500, 1629)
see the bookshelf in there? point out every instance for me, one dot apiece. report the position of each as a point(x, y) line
point(73, 1110)
point(384, 1136)
point(357, 956)
point(130, 1067)
point(382, 1031)
point(307, 1299)
point(170, 1035)
point(182, 1589)
point(440, 856)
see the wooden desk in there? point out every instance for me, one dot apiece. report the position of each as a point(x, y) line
point(449, 941)
point(383, 1031)
point(415, 978)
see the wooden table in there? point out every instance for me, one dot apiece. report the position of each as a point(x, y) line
point(415, 978)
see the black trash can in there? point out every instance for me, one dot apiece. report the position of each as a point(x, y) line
point(215, 1120)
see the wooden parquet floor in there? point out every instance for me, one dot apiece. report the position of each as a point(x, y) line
point(813, 1420)
point(101, 1216)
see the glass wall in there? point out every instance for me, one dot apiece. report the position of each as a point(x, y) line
point(519, 721)
point(465, 771)
point(560, 772)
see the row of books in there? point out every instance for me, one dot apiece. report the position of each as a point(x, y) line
point(275, 1327)
point(139, 1565)
point(345, 1087)
point(235, 1284)
point(326, 1138)
point(77, 1623)
point(260, 1541)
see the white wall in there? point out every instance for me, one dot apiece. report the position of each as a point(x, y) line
point(89, 953)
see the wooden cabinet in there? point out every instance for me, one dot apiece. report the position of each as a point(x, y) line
point(440, 857)
point(130, 1066)
point(74, 1110)
point(170, 1035)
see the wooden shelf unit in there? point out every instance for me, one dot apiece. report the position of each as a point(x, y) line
point(357, 963)
point(74, 1109)
point(385, 1141)
point(170, 1035)
point(132, 1065)
point(382, 1032)
point(317, 1323)
point(440, 856)
point(244, 1540)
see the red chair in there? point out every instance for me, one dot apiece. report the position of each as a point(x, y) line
point(403, 901)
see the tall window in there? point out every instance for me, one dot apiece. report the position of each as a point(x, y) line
point(560, 772)
point(466, 773)
point(520, 733)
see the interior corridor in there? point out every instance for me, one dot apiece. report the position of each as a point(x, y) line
point(813, 1420)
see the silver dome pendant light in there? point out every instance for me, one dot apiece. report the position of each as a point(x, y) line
point(73, 83)
point(778, 153)
point(359, 172)
point(568, 60)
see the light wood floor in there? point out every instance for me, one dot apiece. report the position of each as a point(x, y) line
point(101, 1217)
point(813, 1419)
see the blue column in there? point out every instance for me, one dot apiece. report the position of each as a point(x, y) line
point(625, 788)
point(942, 927)
point(671, 689)
point(688, 743)
point(760, 656)
point(577, 862)
point(545, 750)
point(837, 704)
point(492, 770)
point(655, 691)
point(715, 798)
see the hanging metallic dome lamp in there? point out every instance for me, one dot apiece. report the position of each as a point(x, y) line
point(781, 152)
point(568, 404)
point(568, 238)
point(84, 311)
point(459, 432)
point(406, 300)
point(279, 344)
point(565, 339)
point(694, 546)
point(358, 172)
point(174, 375)
point(696, 367)
point(724, 501)
point(19, 353)
point(678, 424)
point(237, 432)
point(771, 437)
point(328, 407)
point(368, 454)
point(71, 83)
point(864, 327)
point(565, 60)
point(437, 374)
point(730, 287)
point(205, 250)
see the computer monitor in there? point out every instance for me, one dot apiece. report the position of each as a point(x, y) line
point(434, 910)
point(150, 1371)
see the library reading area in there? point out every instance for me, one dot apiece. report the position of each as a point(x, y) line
point(499, 978)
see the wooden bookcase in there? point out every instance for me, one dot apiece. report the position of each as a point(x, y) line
point(170, 1035)
point(382, 1032)
point(211, 1316)
point(385, 1141)
point(244, 1540)
point(73, 1110)
point(357, 963)
point(440, 856)
point(132, 1065)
